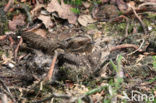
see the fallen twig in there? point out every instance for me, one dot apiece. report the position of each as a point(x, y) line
point(147, 3)
point(50, 73)
point(122, 46)
point(138, 48)
point(127, 26)
point(7, 91)
point(34, 28)
point(12, 41)
point(17, 48)
point(7, 7)
point(141, 22)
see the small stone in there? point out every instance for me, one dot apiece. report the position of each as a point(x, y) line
point(18, 37)
point(11, 65)
point(149, 28)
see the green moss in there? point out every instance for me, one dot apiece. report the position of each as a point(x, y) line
point(118, 29)
point(147, 22)
point(75, 10)
point(121, 27)
point(91, 27)
point(107, 27)
point(90, 84)
point(151, 15)
point(114, 29)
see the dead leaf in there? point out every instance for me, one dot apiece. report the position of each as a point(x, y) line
point(18, 20)
point(97, 97)
point(76, 90)
point(85, 19)
point(8, 59)
point(40, 32)
point(63, 10)
point(132, 4)
point(122, 5)
point(86, 4)
point(36, 10)
point(46, 21)
point(95, 33)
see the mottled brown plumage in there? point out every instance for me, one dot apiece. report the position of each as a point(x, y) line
point(79, 43)
point(37, 42)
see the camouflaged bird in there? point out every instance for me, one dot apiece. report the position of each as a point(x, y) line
point(78, 43)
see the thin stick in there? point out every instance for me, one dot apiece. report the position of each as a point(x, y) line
point(50, 73)
point(122, 46)
point(34, 28)
point(11, 41)
point(127, 26)
point(17, 48)
point(7, 90)
point(141, 22)
point(7, 7)
point(138, 48)
point(147, 3)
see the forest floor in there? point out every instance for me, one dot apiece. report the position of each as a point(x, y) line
point(75, 51)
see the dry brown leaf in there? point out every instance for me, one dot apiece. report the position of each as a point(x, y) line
point(46, 21)
point(122, 5)
point(85, 19)
point(63, 10)
point(76, 90)
point(7, 59)
point(40, 32)
point(131, 3)
point(18, 20)
point(95, 33)
point(36, 10)
point(86, 4)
